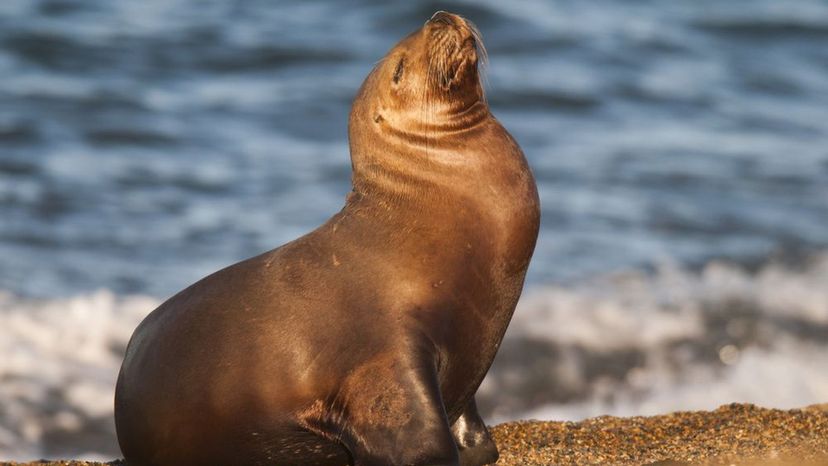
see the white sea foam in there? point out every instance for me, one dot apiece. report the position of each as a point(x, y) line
point(704, 338)
point(789, 376)
point(644, 309)
point(59, 365)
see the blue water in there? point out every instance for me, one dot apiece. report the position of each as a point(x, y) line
point(146, 144)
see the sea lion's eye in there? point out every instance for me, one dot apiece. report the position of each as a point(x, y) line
point(399, 71)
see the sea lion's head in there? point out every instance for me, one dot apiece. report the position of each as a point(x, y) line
point(432, 72)
point(421, 106)
point(440, 58)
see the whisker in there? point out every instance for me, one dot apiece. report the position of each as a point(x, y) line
point(482, 56)
point(378, 63)
point(427, 97)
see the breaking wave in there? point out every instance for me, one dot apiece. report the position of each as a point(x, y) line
point(627, 343)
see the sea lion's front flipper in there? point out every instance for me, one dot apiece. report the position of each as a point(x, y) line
point(396, 416)
point(476, 445)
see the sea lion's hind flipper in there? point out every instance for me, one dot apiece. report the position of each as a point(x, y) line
point(473, 439)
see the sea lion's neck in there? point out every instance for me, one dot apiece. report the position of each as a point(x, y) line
point(397, 156)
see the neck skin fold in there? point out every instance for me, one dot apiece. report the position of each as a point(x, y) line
point(397, 155)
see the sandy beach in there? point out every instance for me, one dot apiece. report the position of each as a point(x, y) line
point(736, 434)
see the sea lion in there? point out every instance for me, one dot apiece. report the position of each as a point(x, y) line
point(364, 341)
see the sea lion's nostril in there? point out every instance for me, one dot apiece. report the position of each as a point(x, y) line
point(438, 13)
point(442, 17)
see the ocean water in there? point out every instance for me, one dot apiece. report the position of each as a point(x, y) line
point(680, 149)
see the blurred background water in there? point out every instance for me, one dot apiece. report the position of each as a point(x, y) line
point(680, 149)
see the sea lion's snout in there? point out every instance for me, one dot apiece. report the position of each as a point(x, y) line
point(445, 17)
point(455, 45)
point(432, 70)
point(458, 28)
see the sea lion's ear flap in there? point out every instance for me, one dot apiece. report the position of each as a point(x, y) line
point(398, 71)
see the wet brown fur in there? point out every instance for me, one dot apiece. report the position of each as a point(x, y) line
point(365, 340)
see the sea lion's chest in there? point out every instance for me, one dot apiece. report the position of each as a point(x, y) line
point(500, 223)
